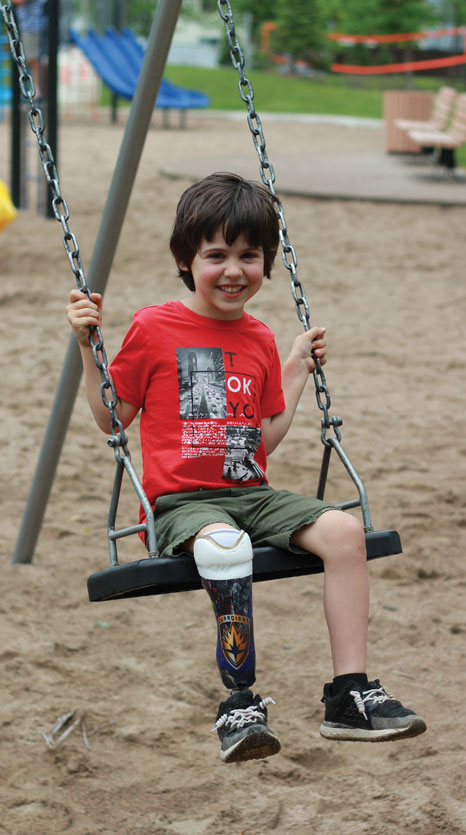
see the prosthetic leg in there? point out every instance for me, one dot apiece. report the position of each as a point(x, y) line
point(224, 562)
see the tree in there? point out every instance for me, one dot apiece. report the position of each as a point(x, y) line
point(140, 14)
point(378, 17)
point(261, 12)
point(300, 30)
point(453, 12)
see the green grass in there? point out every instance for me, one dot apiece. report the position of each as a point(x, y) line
point(278, 93)
point(328, 94)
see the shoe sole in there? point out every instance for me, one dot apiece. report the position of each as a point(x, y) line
point(330, 730)
point(257, 745)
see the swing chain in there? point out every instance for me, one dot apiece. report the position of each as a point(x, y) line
point(267, 174)
point(61, 212)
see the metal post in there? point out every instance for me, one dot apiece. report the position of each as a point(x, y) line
point(52, 83)
point(112, 220)
point(16, 158)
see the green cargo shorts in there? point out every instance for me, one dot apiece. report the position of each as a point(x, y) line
point(269, 516)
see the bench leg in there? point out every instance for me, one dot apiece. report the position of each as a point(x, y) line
point(447, 158)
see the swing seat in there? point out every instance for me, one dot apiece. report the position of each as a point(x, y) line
point(163, 575)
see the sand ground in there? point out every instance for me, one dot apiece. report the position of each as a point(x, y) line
point(388, 282)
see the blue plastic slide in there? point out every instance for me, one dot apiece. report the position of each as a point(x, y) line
point(117, 59)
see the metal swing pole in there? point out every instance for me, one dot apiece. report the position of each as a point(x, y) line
point(142, 107)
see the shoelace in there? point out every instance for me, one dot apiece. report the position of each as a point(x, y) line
point(241, 716)
point(378, 695)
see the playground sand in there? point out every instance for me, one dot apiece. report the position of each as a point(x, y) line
point(387, 281)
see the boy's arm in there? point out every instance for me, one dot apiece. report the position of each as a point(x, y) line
point(82, 314)
point(295, 374)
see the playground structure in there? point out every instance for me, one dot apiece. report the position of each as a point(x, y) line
point(117, 58)
point(7, 210)
point(22, 167)
point(5, 75)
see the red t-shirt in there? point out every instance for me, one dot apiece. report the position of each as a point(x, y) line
point(203, 386)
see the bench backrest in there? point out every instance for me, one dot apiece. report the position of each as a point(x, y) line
point(457, 128)
point(442, 107)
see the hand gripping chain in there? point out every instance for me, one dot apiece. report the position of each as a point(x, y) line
point(267, 174)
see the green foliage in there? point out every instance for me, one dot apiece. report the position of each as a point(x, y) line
point(370, 17)
point(261, 11)
point(140, 14)
point(376, 17)
point(452, 12)
point(404, 15)
point(299, 31)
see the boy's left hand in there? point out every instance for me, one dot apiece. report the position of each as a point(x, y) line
point(311, 340)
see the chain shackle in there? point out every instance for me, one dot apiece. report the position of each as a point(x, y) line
point(267, 175)
point(62, 215)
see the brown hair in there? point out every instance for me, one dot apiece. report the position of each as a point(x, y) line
point(234, 205)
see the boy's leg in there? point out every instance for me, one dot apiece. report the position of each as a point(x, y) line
point(338, 539)
point(356, 709)
point(223, 557)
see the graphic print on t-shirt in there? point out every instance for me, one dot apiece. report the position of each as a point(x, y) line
point(219, 411)
point(201, 378)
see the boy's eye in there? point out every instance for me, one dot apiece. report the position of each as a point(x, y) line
point(251, 254)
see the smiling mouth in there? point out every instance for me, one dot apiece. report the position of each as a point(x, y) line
point(231, 289)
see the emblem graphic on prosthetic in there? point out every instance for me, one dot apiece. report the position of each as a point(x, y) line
point(224, 562)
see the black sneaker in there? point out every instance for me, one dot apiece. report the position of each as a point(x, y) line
point(242, 728)
point(367, 715)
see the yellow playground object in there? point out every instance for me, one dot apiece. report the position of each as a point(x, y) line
point(7, 210)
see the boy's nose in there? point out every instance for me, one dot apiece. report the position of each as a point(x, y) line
point(232, 268)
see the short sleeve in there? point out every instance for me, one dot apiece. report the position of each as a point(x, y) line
point(130, 369)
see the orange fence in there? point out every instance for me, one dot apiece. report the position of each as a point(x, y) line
point(383, 69)
point(405, 66)
point(397, 37)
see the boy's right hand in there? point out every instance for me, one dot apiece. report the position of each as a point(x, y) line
point(84, 313)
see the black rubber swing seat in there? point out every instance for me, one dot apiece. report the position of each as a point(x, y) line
point(163, 575)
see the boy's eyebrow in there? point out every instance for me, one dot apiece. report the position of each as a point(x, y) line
point(212, 247)
point(206, 246)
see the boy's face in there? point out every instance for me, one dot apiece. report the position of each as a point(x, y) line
point(225, 277)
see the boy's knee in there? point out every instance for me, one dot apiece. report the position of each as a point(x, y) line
point(351, 526)
point(333, 533)
point(345, 535)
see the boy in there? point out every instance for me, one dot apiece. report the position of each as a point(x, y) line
point(214, 403)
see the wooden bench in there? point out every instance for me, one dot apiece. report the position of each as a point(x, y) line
point(439, 118)
point(445, 141)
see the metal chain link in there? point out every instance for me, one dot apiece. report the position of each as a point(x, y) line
point(61, 212)
point(267, 174)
